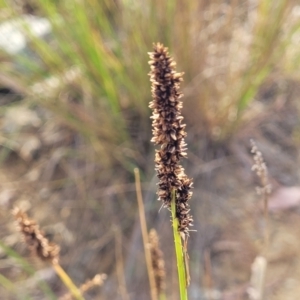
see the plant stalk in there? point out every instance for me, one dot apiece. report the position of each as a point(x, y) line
point(153, 289)
point(73, 289)
point(178, 250)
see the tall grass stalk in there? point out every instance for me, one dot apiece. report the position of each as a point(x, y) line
point(264, 190)
point(153, 290)
point(120, 265)
point(260, 264)
point(179, 251)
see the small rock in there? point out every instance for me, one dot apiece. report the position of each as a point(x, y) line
point(30, 148)
point(18, 118)
point(285, 198)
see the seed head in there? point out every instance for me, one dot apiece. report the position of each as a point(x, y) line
point(261, 170)
point(98, 280)
point(35, 238)
point(158, 262)
point(168, 132)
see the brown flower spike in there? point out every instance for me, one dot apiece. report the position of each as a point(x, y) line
point(35, 239)
point(168, 131)
point(158, 262)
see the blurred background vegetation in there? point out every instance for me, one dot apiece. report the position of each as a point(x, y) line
point(74, 123)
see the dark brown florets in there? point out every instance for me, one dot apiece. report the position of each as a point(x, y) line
point(168, 131)
point(35, 239)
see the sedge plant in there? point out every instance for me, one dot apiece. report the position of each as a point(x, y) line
point(260, 264)
point(168, 132)
point(43, 249)
point(47, 251)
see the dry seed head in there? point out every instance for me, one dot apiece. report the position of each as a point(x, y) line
point(35, 239)
point(168, 132)
point(158, 262)
point(261, 170)
point(98, 280)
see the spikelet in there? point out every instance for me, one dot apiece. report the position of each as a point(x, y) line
point(168, 132)
point(35, 238)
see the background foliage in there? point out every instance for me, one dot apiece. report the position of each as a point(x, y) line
point(75, 123)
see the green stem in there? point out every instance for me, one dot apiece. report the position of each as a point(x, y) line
point(179, 252)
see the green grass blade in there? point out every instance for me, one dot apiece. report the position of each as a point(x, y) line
point(28, 269)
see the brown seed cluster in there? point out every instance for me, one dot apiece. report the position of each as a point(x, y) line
point(35, 239)
point(168, 132)
point(98, 280)
point(158, 262)
point(261, 170)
